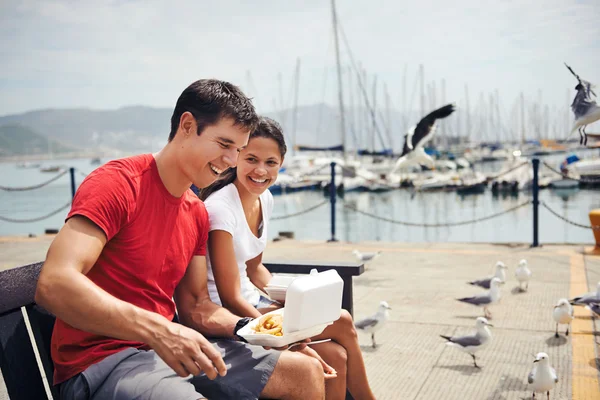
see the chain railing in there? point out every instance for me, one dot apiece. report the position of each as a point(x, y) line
point(568, 221)
point(534, 201)
point(38, 186)
point(307, 210)
point(37, 219)
point(33, 187)
point(516, 167)
point(314, 172)
point(438, 225)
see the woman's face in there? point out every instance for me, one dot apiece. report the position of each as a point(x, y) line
point(258, 164)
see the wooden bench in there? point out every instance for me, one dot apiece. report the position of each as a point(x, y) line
point(26, 328)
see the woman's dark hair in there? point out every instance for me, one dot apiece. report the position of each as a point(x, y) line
point(209, 101)
point(266, 128)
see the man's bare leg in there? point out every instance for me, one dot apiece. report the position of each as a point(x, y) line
point(334, 355)
point(296, 377)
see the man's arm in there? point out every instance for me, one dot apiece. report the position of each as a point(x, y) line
point(64, 290)
point(194, 306)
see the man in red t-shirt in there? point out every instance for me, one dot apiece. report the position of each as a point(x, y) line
point(134, 240)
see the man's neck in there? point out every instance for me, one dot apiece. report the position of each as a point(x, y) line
point(170, 174)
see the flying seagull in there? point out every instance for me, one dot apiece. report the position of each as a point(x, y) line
point(474, 342)
point(500, 274)
point(416, 137)
point(542, 377)
point(374, 323)
point(584, 107)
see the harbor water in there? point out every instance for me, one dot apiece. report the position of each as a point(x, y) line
point(388, 211)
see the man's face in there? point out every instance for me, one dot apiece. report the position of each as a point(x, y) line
point(203, 158)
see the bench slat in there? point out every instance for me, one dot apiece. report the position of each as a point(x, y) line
point(17, 359)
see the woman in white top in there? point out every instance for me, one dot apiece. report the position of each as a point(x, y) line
point(239, 205)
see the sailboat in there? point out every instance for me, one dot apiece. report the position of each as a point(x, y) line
point(50, 168)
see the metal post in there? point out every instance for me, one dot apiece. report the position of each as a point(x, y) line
point(536, 189)
point(72, 170)
point(332, 199)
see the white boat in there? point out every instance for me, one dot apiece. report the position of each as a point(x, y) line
point(564, 184)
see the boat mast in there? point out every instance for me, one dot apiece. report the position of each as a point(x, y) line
point(295, 115)
point(339, 76)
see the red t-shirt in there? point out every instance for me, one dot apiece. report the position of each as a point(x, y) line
point(151, 238)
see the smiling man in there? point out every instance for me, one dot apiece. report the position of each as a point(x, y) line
point(134, 240)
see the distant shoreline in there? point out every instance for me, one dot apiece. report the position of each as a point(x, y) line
point(64, 156)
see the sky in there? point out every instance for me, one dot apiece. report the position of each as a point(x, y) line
point(110, 54)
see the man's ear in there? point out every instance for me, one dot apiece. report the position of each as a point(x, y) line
point(187, 123)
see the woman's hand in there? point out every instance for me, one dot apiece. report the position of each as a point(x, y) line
point(298, 346)
point(330, 373)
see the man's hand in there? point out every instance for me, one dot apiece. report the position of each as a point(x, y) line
point(187, 351)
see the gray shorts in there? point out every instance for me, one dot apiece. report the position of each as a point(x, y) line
point(143, 375)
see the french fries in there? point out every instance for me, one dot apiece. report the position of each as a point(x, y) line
point(270, 324)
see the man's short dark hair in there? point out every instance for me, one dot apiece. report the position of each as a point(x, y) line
point(211, 100)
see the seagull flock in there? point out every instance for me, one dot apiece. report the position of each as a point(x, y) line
point(542, 378)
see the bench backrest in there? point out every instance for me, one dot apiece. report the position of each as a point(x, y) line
point(23, 327)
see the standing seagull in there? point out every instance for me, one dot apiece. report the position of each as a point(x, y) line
point(563, 314)
point(365, 256)
point(594, 307)
point(500, 274)
point(584, 107)
point(472, 343)
point(374, 323)
point(588, 298)
point(414, 141)
point(523, 273)
point(486, 300)
point(542, 377)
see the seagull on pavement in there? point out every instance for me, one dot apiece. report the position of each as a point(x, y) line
point(485, 300)
point(500, 274)
point(367, 256)
point(594, 307)
point(592, 297)
point(542, 377)
point(563, 314)
point(474, 342)
point(523, 273)
point(374, 323)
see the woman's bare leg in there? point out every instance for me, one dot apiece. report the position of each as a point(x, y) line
point(343, 332)
point(335, 356)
